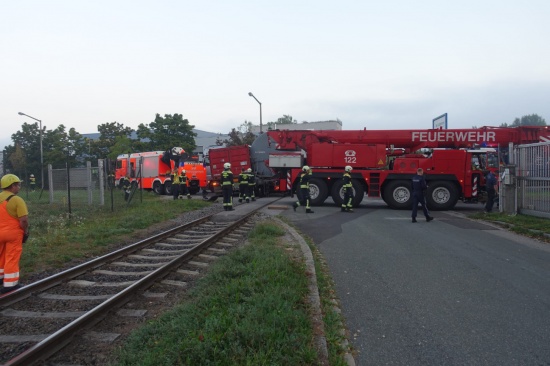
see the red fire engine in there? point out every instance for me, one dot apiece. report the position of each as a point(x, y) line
point(152, 169)
point(383, 161)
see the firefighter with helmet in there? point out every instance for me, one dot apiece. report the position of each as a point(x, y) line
point(303, 194)
point(14, 226)
point(127, 187)
point(347, 203)
point(184, 189)
point(32, 181)
point(243, 186)
point(227, 187)
point(251, 185)
point(175, 183)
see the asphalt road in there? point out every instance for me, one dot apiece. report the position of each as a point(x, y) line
point(448, 292)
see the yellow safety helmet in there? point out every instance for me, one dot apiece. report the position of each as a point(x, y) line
point(305, 168)
point(182, 171)
point(348, 168)
point(249, 170)
point(8, 180)
point(227, 165)
point(32, 175)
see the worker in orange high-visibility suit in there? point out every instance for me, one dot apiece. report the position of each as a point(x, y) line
point(14, 225)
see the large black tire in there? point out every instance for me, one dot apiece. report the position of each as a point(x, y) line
point(441, 196)
point(337, 192)
point(168, 187)
point(318, 191)
point(398, 194)
point(158, 187)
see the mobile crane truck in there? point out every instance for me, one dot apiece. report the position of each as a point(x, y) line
point(383, 161)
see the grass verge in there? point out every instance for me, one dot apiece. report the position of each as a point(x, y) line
point(57, 237)
point(250, 309)
point(532, 226)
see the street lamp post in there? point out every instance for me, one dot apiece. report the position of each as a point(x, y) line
point(252, 95)
point(41, 152)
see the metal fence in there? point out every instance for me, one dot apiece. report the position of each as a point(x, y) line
point(533, 179)
point(78, 185)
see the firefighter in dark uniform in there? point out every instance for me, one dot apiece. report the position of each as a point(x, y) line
point(243, 186)
point(126, 186)
point(32, 180)
point(491, 188)
point(251, 185)
point(175, 184)
point(419, 188)
point(184, 190)
point(303, 194)
point(227, 187)
point(347, 204)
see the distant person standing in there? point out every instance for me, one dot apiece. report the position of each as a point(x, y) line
point(227, 187)
point(126, 186)
point(303, 194)
point(243, 185)
point(14, 226)
point(251, 184)
point(491, 188)
point(419, 188)
point(32, 181)
point(347, 203)
point(184, 189)
point(175, 184)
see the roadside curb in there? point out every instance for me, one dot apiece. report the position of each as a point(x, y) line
point(315, 300)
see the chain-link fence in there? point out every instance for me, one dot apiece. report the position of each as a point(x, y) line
point(533, 179)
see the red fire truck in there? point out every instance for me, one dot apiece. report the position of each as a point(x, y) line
point(151, 170)
point(383, 161)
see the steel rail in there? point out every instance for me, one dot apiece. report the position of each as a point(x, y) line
point(60, 277)
point(56, 341)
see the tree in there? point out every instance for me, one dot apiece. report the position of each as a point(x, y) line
point(241, 135)
point(167, 132)
point(62, 146)
point(108, 134)
point(18, 160)
point(28, 140)
point(286, 119)
point(529, 120)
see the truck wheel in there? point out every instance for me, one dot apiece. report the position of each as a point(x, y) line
point(358, 193)
point(398, 194)
point(337, 192)
point(441, 196)
point(158, 188)
point(168, 188)
point(318, 191)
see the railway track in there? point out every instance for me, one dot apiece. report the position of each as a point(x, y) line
point(45, 316)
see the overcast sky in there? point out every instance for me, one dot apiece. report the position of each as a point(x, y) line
point(374, 64)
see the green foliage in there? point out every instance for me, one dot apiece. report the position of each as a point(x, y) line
point(109, 133)
point(166, 132)
point(18, 160)
point(57, 237)
point(529, 120)
point(248, 310)
point(240, 136)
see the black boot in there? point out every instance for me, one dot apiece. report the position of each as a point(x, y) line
point(308, 210)
point(294, 206)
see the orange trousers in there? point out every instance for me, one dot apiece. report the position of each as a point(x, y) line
point(11, 247)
